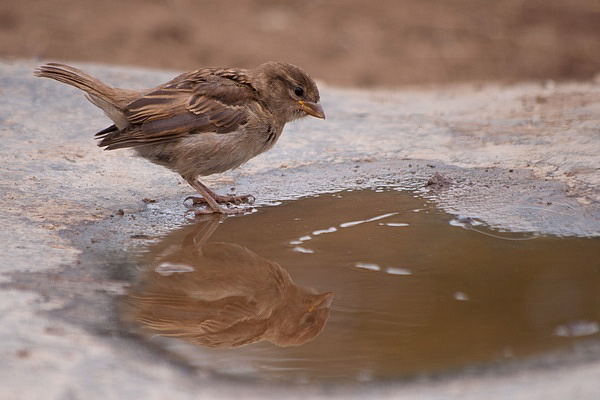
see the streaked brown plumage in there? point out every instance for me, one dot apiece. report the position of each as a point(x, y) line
point(222, 295)
point(202, 122)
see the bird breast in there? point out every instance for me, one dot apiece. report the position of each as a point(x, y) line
point(208, 153)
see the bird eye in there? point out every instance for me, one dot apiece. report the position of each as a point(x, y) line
point(299, 92)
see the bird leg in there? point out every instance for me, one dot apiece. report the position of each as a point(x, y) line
point(212, 200)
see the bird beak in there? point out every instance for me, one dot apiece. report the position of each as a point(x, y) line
point(313, 109)
point(323, 301)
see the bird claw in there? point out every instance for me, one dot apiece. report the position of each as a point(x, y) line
point(196, 200)
point(227, 199)
point(237, 200)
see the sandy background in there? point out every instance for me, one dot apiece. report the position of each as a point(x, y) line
point(360, 43)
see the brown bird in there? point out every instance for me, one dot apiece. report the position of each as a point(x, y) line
point(202, 122)
point(222, 295)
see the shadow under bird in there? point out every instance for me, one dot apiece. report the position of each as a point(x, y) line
point(222, 295)
point(202, 122)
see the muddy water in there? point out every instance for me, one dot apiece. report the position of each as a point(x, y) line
point(361, 286)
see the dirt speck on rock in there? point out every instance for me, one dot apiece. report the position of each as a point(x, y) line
point(438, 182)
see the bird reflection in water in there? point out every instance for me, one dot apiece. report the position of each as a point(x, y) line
point(222, 295)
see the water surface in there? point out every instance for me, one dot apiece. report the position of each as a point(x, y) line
point(379, 285)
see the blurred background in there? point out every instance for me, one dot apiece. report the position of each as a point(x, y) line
point(377, 43)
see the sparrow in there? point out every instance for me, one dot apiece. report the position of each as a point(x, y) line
point(222, 295)
point(203, 122)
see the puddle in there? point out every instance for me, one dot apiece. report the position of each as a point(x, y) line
point(361, 286)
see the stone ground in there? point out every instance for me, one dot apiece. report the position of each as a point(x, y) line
point(521, 157)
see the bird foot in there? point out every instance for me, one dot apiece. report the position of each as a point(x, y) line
point(227, 199)
point(216, 209)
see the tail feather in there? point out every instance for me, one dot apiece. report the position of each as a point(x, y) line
point(129, 137)
point(106, 131)
point(75, 77)
point(100, 94)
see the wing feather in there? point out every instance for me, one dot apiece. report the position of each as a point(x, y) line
point(206, 100)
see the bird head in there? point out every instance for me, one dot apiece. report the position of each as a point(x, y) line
point(287, 90)
point(301, 318)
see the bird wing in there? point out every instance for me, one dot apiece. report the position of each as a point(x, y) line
point(245, 332)
point(235, 325)
point(235, 310)
point(201, 101)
